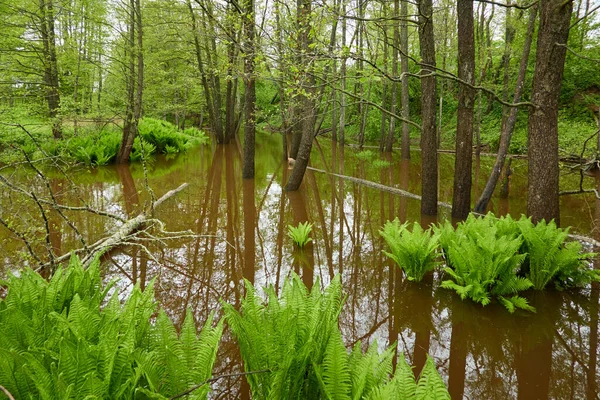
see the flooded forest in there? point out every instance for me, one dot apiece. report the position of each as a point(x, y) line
point(269, 199)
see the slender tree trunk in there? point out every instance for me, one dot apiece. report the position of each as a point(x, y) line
point(555, 16)
point(342, 131)
point(429, 163)
point(307, 118)
point(405, 151)
point(461, 202)
point(250, 92)
point(384, 93)
point(508, 127)
point(129, 128)
point(394, 96)
point(48, 36)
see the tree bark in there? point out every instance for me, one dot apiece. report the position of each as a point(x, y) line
point(306, 117)
point(429, 163)
point(542, 128)
point(250, 92)
point(394, 97)
point(129, 127)
point(461, 201)
point(405, 142)
point(48, 36)
point(508, 127)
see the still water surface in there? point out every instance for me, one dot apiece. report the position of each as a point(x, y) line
point(482, 353)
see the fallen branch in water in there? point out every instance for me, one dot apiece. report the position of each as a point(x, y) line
point(131, 230)
point(378, 186)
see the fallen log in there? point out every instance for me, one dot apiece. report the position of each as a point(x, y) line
point(378, 186)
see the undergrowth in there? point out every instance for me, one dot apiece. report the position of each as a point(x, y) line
point(300, 234)
point(295, 337)
point(94, 145)
point(64, 339)
point(489, 258)
point(415, 251)
point(70, 338)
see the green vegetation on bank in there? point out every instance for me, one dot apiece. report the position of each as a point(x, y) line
point(492, 258)
point(97, 144)
point(71, 337)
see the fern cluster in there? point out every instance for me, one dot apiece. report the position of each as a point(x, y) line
point(64, 339)
point(295, 338)
point(300, 234)
point(493, 257)
point(415, 251)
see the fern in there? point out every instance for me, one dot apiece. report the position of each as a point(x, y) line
point(56, 341)
point(551, 259)
point(300, 234)
point(295, 337)
point(415, 252)
point(483, 264)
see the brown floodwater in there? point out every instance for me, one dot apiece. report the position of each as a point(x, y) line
point(482, 352)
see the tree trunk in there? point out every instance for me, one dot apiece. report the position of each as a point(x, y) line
point(461, 201)
point(394, 96)
point(429, 163)
point(306, 118)
point(508, 127)
point(129, 128)
point(250, 92)
point(542, 128)
point(341, 134)
point(48, 37)
point(405, 151)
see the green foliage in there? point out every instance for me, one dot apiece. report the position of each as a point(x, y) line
point(551, 258)
point(415, 252)
point(93, 149)
point(380, 164)
point(483, 262)
point(300, 234)
point(365, 155)
point(295, 339)
point(64, 339)
point(493, 257)
point(166, 138)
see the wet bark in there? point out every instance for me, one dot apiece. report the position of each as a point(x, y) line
point(429, 164)
point(461, 201)
point(509, 126)
point(250, 92)
point(542, 127)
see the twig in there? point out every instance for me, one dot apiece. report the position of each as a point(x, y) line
point(216, 378)
point(7, 393)
point(22, 238)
